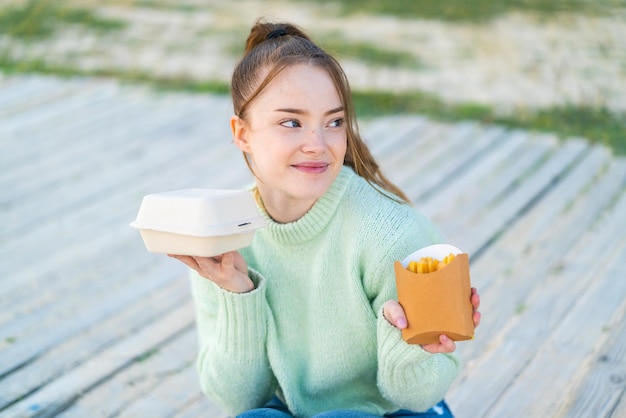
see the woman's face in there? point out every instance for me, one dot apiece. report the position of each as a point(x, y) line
point(295, 137)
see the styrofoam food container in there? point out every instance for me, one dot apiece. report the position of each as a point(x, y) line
point(198, 222)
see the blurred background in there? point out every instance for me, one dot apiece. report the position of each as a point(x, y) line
point(555, 65)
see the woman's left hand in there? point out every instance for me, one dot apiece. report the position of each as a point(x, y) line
point(394, 313)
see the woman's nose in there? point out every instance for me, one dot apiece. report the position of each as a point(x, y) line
point(314, 140)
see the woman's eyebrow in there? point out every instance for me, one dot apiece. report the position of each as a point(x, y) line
point(304, 112)
point(335, 110)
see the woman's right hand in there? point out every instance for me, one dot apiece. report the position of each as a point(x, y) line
point(229, 270)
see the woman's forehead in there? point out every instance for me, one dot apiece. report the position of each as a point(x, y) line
point(301, 82)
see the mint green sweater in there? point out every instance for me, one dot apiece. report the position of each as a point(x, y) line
point(312, 331)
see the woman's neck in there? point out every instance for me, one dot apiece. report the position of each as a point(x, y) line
point(281, 208)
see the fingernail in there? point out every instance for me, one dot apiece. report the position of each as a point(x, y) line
point(401, 323)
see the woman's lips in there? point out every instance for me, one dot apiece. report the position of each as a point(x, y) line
point(312, 167)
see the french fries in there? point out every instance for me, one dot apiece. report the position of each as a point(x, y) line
point(429, 264)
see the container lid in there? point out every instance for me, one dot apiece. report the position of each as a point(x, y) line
point(199, 212)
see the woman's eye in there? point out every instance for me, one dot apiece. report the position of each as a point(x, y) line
point(291, 123)
point(337, 123)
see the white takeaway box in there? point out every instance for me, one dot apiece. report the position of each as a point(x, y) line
point(198, 222)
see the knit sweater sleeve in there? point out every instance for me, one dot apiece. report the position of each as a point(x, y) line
point(232, 361)
point(407, 375)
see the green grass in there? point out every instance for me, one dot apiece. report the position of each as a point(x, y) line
point(368, 53)
point(374, 103)
point(145, 356)
point(362, 51)
point(470, 10)
point(183, 84)
point(596, 124)
point(179, 7)
point(37, 19)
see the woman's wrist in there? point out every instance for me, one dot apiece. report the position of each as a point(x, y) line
point(238, 286)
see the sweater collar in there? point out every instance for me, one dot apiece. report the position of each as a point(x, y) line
point(316, 219)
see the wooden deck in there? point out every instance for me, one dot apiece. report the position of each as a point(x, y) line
point(93, 325)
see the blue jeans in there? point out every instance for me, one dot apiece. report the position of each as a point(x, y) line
point(276, 409)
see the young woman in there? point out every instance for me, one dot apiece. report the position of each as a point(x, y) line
point(304, 321)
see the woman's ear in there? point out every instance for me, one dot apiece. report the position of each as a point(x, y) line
point(238, 126)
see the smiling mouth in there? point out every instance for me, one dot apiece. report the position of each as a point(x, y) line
point(312, 167)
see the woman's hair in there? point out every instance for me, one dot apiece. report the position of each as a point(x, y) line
point(272, 47)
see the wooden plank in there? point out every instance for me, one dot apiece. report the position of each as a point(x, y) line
point(85, 266)
point(67, 134)
point(72, 352)
point(452, 161)
point(539, 220)
point(513, 283)
point(12, 86)
point(27, 91)
point(155, 385)
point(499, 186)
point(106, 211)
point(521, 198)
point(602, 388)
point(373, 130)
point(412, 148)
point(176, 157)
point(170, 396)
point(435, 149)
point(60, 394)
point(455, 188)
point(49, 331)
point(65, 196)
point(568, 347)
point(28, 307)
point(476, 204)
point(476, 231)
point(82, 158)
point(382, 136)
point(101, 116)
point(544, 309)
point(103, 225)
point(47, 104)
point(62, 146)
point(620, 408)
point(200, 406)
point(518, 279)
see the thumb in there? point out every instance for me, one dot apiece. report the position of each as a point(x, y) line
point(228, 260)
point(394, 313)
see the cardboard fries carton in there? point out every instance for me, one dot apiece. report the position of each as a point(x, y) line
point(436, 303)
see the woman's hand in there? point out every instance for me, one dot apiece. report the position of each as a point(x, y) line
point(394, 313)
point(229, 271)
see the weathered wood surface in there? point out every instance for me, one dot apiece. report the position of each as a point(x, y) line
point(93, 325)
